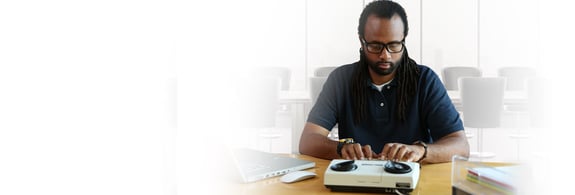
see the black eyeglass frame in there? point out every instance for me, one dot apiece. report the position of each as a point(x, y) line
point(384, 45)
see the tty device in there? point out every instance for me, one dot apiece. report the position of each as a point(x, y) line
point(379, 176)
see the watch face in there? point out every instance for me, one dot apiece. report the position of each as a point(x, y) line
point(347, 140)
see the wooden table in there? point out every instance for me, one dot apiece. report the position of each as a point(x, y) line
point(433, 179)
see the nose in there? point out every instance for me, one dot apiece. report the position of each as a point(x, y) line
point(385, 54)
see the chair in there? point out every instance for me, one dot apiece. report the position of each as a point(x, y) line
point(534, 108)
point(482, 100)
point(452, 74)
point(316, 85)
point(516, 76)
point(258, 99)
point(324, 71)
point(517, 81)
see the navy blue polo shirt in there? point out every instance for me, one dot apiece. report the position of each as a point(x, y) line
point(430, 116)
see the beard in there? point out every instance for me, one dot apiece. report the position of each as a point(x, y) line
point(375, 66)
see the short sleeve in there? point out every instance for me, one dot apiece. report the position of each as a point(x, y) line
point(324, 112)
point(439, 113)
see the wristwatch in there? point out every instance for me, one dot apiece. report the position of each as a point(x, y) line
point(424, 147)
point(343, 142)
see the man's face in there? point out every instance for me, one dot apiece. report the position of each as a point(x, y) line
point(381, 30)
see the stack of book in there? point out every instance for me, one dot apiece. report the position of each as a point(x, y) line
point(496, 178)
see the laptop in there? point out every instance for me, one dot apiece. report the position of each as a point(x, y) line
point(254, 165)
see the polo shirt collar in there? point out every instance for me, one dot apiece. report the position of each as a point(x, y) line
point(392, 84)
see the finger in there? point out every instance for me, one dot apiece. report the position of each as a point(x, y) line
point(348, 152)
point(358, 153)
point(345, 154)
point(402, 150)
point(367, 152)
point(410, 156)
point(385, 151)
point(392, 152)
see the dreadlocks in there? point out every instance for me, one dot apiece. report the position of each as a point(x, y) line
point(407, 73)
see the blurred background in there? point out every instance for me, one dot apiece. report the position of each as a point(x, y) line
point(144, 97)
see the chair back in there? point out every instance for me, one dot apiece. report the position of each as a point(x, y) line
point(452, 74)
point(316, 85)
point(482, 101)
point(324, 71)
point(516, 76)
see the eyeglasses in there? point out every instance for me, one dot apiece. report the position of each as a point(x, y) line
point(377, 48)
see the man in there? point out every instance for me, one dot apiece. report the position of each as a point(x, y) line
point(386, 106)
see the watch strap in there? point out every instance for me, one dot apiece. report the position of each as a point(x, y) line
point(424, 152)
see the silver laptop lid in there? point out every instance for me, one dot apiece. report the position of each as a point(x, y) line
point(256, 165)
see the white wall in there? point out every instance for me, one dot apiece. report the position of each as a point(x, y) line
point(332, 38)
point(509, 34)
point(449, 33)
point(87, 97)
point(442, 33)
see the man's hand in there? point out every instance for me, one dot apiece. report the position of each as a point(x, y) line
point(357, 152)
point(401, 152)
